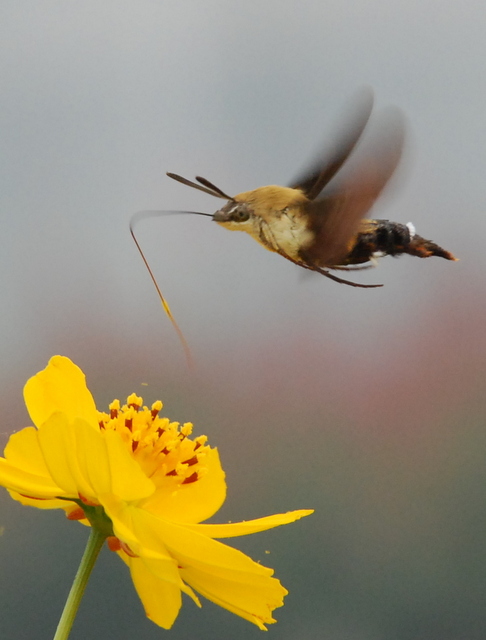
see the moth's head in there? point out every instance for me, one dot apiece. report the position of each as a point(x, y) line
point(236, 213)
point(265, 203)
point(235, 216)
point(241, 211)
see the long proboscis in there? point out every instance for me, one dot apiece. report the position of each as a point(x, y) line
point(141, 215)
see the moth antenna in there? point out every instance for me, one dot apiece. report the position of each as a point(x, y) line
point(213, 191)
point(153, 214)
point(213, 187)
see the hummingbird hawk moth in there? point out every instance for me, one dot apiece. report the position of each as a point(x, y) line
point(318, 221)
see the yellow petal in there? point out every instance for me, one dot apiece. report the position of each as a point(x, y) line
point(220, 573)
point(132, 525)
point(61, 386)
point(128, 526)
point(92, 458)
point(229, 578)
point(161, 599)
point(250, 526)
point(26, 483)
point(128, 481)
point(193, 502)
point(155, 572)
point(23, 451)
point(24, 469)
point(41, 503)
point(107, 464)
point(195, 548)
point(253, 599)
point(57, 438)
point(121, 516)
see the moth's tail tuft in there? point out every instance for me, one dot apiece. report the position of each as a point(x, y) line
point(426, 248)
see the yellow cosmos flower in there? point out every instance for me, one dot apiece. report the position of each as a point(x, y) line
point(148, 485)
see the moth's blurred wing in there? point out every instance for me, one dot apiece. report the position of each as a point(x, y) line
point(336, 215)
point(327, 164)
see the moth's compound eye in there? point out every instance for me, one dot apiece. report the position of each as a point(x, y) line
point(240, 214)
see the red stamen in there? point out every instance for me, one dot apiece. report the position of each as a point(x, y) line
point(192, 478)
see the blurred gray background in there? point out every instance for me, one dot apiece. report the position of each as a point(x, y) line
point(365, 405)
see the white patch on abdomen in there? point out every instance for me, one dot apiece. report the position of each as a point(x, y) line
point(411, 229)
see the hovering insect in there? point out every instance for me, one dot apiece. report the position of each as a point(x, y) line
point(317, 222)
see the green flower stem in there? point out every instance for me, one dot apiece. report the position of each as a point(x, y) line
point(95, 542)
